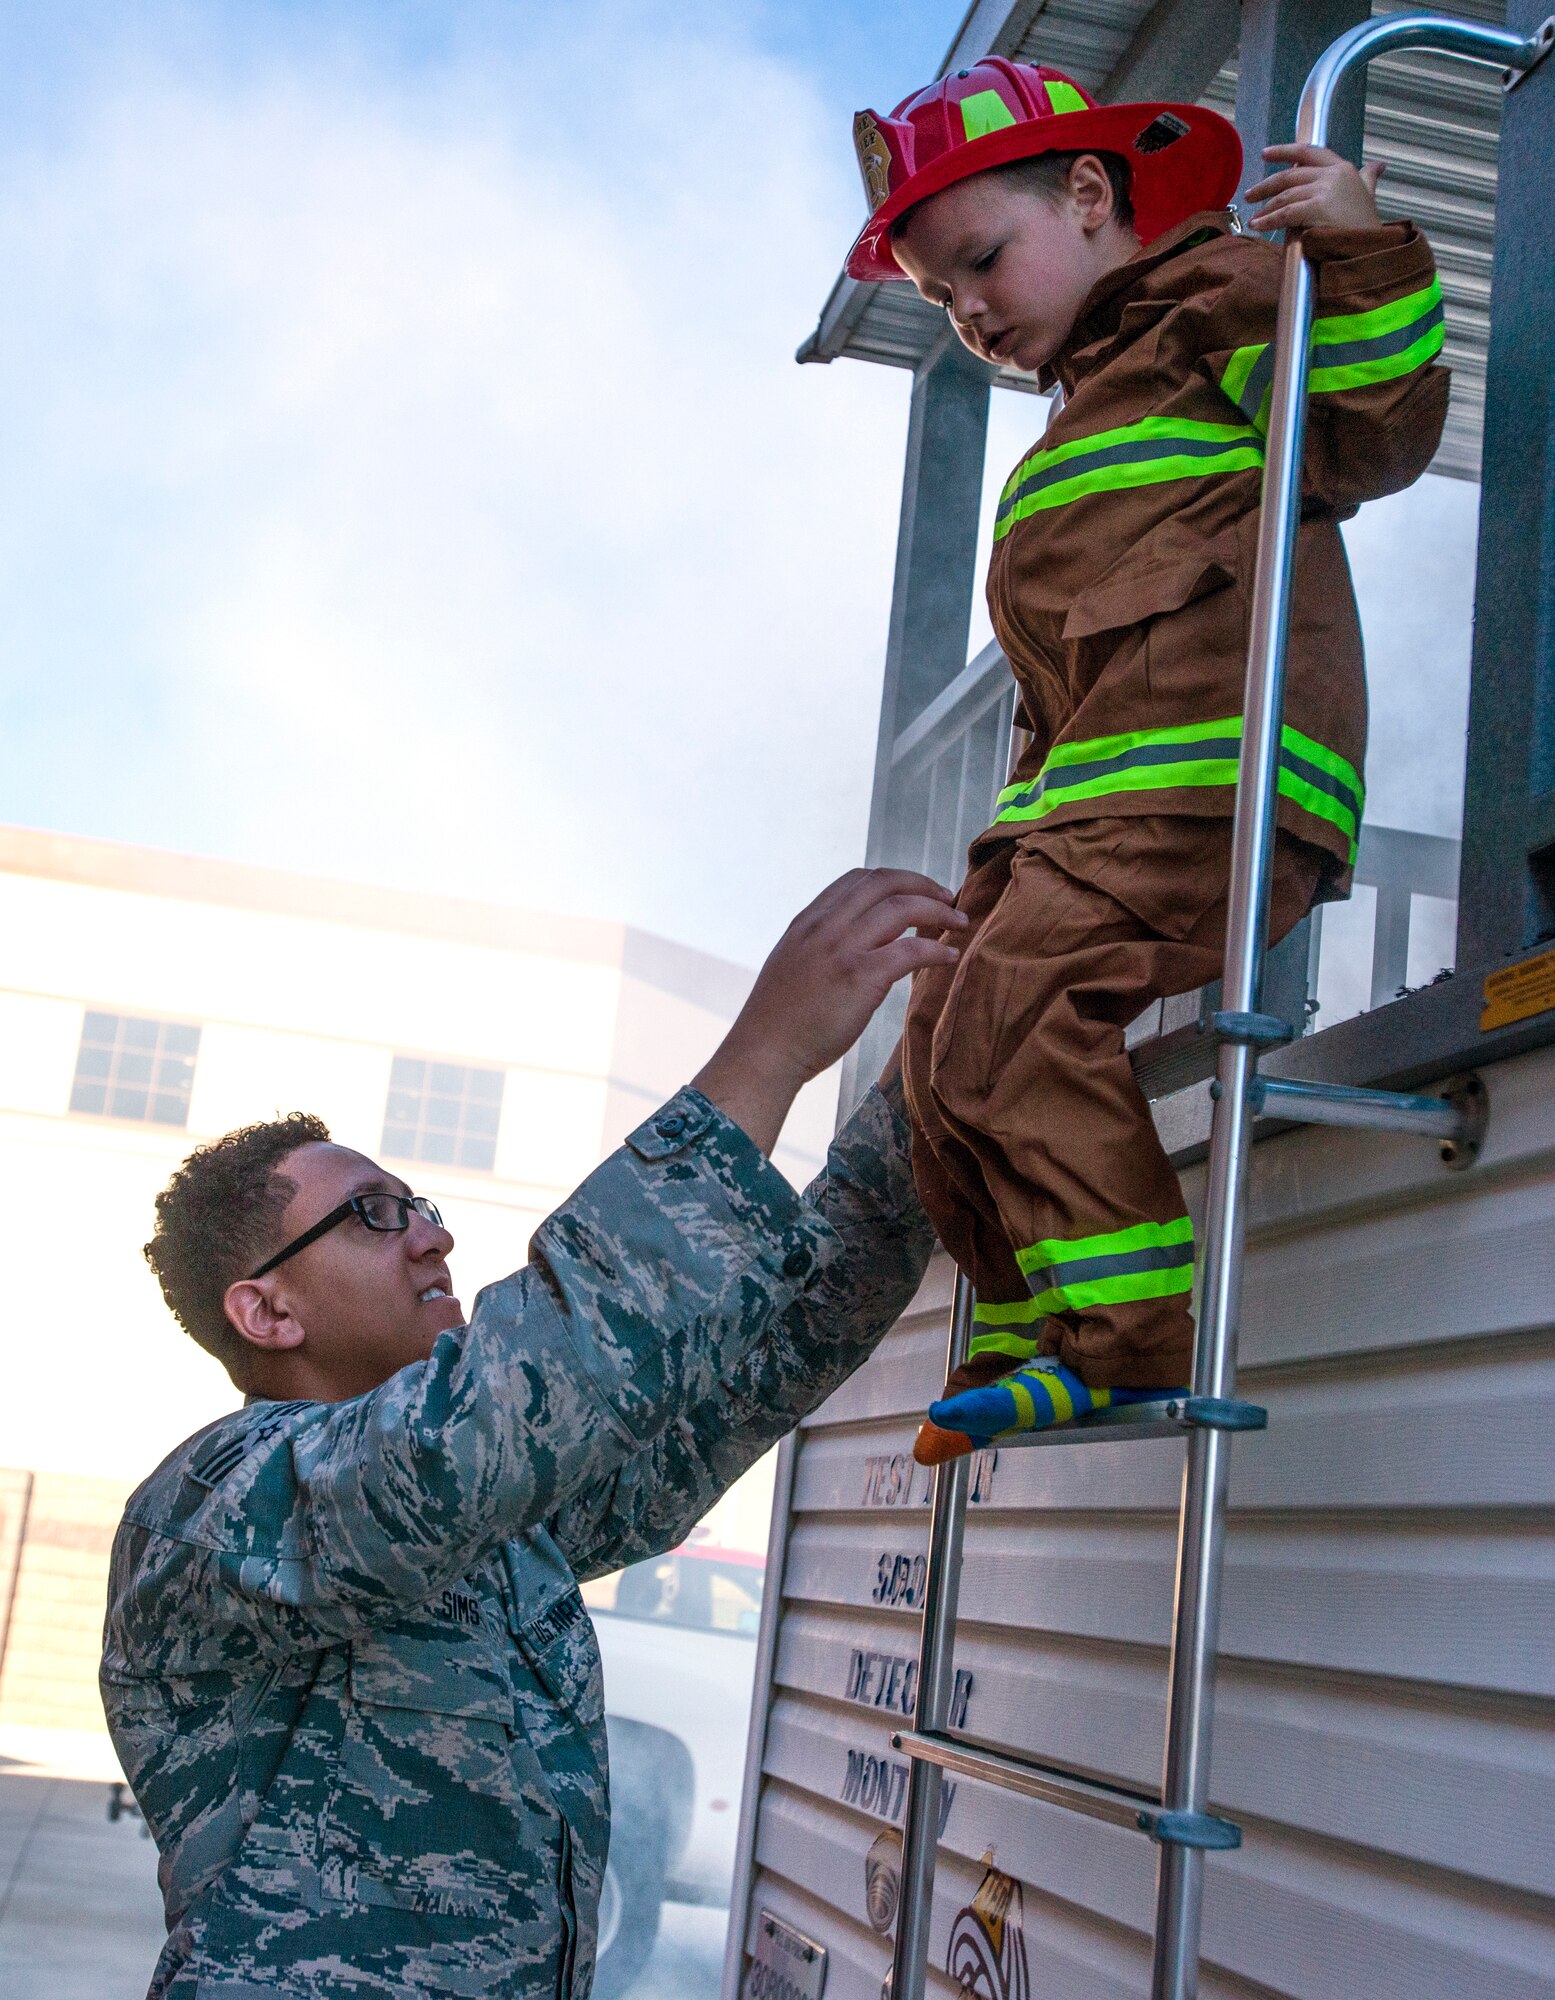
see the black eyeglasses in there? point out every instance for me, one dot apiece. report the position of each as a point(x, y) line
point(389, 1212)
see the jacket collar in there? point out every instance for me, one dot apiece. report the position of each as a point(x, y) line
point(1103, 304)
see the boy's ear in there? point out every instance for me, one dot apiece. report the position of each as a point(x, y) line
point(1090, 189)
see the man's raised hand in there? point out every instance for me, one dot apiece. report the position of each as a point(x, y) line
point(821, 983)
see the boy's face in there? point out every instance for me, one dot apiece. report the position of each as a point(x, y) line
point(1011, 265)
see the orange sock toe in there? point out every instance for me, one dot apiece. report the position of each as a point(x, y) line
point(933, 1446)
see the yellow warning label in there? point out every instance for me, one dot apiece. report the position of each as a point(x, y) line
point(1518, 993)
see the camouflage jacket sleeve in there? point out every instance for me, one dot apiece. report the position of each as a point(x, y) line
point(866, 1193)
point(644, 1292)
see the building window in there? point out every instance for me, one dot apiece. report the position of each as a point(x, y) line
point(130, 1068)
point(445, 1112)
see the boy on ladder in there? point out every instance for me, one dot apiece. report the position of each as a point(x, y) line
point(1091, 246)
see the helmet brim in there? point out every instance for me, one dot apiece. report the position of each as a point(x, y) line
point(1196, 168)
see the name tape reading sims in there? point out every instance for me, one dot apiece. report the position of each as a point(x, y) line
point(785, 1965)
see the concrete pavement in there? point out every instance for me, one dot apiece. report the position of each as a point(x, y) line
point(81, 1918)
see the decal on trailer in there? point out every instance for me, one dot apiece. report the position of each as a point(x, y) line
point(987, 1954)
point(883, 1879)
point(890, 1680)
point(1518, 992)
point(878, 1785)
point(899, 1578)
point(895, 1479)
point(785, 1965)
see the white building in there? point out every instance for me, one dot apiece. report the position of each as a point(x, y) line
point(149, 1001)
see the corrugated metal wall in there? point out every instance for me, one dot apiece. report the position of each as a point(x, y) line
point(1384, 1727)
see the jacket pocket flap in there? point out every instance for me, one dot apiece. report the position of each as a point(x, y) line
point(1133, 591)
point(432, 1675)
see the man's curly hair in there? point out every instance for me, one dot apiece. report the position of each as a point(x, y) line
point(216, 1219)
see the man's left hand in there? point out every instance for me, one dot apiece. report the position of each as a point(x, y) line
point(825, 977)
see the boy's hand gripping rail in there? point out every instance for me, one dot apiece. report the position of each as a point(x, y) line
point(1239, 1097)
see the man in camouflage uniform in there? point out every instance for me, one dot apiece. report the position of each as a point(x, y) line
point(347, 1668)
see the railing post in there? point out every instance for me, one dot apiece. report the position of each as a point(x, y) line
point(931, 616)
point(1506, 899)
point(1280, 41)
point(1195, 1636)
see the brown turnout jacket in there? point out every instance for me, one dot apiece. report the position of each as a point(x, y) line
point(1122, 571)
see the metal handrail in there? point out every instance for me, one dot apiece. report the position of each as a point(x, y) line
point(936, 1682)
point(1181, 1822)
point(1185, 1784)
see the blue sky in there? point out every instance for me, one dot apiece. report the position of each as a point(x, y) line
point(409, 477)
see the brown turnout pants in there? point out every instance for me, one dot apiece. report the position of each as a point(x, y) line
point(1030, 1133)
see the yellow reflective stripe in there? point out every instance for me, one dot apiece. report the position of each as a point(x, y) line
point(1124, 478)
point(1196, 755)
point(1017, 1346)
point(1381, 319)
point(1326, 759)
point(1014, 1312)
point(1357, 374)
point(1233, 379)
point(1321, 806)
point(1343, 338)
point(1064, 97)
point(1120, 1291)
point(984, 111)
point(1149, 430)
point(1154, 778)
point(1109, 1243)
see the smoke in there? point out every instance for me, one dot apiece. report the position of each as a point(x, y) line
point(411, 477)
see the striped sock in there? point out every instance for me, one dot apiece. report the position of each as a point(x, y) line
point(1035, 1397)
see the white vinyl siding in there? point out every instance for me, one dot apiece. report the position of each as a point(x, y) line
point(1383, 1728)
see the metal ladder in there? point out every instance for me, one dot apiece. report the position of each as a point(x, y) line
point(1178, 1819)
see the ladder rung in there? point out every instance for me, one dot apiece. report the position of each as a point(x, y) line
point(1172, 1417)
point(1058, 1787)
point(1372, 1110)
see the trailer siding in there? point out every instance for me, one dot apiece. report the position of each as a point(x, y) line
point(1387, 1690)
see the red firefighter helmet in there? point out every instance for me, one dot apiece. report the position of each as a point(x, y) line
point(1181, 158)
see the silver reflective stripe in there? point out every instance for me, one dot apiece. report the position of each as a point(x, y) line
point(1122, 1264)
point(1137, 451)
point(1336, 354)
point(1061, 777)
point(1323, 781)
point(1345, 353)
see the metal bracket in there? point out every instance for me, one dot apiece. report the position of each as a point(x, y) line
point(1543, 40)
point(1263, 1031)
point(1470, 1099)
point(1218, 1413)
point(1457, 1119)
point(1190, 1829)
